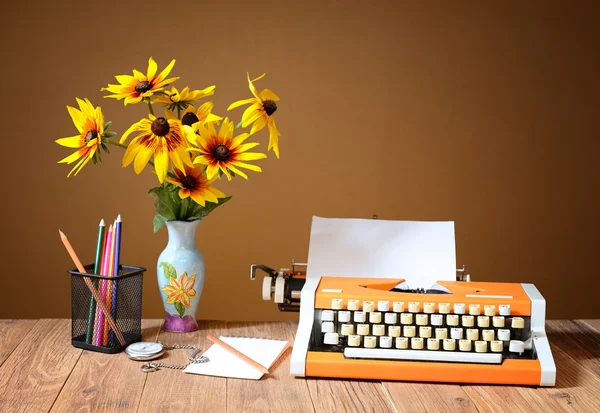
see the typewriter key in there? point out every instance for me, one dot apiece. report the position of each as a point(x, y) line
point(410, 331)
point(362, 329)
point(337, 304)
point(394, 331)
point(459, 308)
point(489, 310)
point(452, 320)
point(375, 317)
point(385, 342)
point(483, 321)
point(422, 320)
point(456, 333)
point(464, 345)
point(481, 346)
point(353, 305)
point(347, 329)
point(516, 346)
point(327, 315)
point(441, 333)
point(414, 307)
point(398, 306)
point(359, 317)
point(354, 340)
point(344, 316)
point(327, 327)
point(449, 344)
point(368, 306)
point(383, 306)
point(331, 339)
point(444, 308)
point(437, 320)
point(378, 329)
point(416, 343)
point(472, 334)
point(487, 335)
point(433, 344)
point(517, 327)
point(429, 308)
point(406, 318)
point(498, 321)
point(425, 332)
point(504, 309)
point(504, 334)
point(474, 309)
point(401, 343)
point(370, 341)
point(391, 318)
point(496, 346)
point(468, 321)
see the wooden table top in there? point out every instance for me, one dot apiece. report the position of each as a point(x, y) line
point(41, 372)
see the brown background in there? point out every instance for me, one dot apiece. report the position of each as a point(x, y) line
point(477, 112)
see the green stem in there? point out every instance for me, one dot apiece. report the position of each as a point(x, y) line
point(150, 106)
point(239, 125)
point(116, 143)
point(178, 112)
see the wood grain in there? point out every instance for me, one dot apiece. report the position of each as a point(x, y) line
point(11, 334)
point(578, 340)
point(169, 390)
point(430, 398)
point(277, 392)
point(106, 382)
point(330, 395)
point(33, 376)
point(593, 324)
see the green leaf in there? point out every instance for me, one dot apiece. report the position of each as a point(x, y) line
point(159, 221)
point(198, 211)
point(239, 125)
point(109, 134)
point(163, 202)
point(180, 308)
point(107, 125)
point(105, 148)
point(169, 270)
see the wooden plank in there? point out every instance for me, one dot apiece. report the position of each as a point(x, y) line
point(169, 390)
point(11, 334)
point(578, 340)
point(503, 399)
point(277, 392)
point(430, 398)
point(334, 395)
point(106, 382)
point(32, 377)
point(595, 324)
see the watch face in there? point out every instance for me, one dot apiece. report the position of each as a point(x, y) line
point(144, 349)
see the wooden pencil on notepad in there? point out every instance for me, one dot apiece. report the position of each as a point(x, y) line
point(238, 353)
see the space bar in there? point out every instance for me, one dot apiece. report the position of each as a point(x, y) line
point(422, 355)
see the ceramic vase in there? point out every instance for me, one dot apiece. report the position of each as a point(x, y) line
point(180, 272)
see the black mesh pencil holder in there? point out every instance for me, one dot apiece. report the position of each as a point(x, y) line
point(122, 295)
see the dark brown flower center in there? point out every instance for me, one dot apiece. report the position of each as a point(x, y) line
point(189, 182)
point(269, 106)
point(221, 152)
point(90, 135)
point(189, 119)
point(160, 127)
point(143, 86)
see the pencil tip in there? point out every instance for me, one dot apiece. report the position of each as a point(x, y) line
point(102, 223)
point(62, 234)
point(119, 218)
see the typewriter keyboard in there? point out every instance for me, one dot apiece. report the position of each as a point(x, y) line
point(420, 330)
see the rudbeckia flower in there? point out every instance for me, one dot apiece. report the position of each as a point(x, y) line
point(180, 290)
point(89, 122)
point(195, 184)
point(260, 113)
point(181, 100)
point(191, 116)
point(164, 139)
point(140, 86)
point(224, 152)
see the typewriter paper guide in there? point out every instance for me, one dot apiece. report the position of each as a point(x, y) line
point(420, 252)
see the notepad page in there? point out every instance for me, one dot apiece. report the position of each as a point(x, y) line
point(224, 364)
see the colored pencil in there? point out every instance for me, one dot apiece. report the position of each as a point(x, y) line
point(90, 286)
point(100, 327)
point(238, 353)
point(92, 312)
point(117, 263)
point(109, 285)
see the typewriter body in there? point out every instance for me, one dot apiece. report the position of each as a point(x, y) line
point(378, 328)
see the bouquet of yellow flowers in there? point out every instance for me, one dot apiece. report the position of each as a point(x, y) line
point(190, 147)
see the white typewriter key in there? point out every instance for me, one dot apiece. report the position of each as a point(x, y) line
point(362, 329)
point(391, 318)
point(487, 335)
point(385, 342)
point(327, 315)
point(347, 329)
point(425, 332)
point(422, 320)
point(429, 308)
point(331, 338)
point(344, 316)
point(483, 321)
point(433, 344)
point(468, 321)
point(444, 308)
point(496, 346)
point(436, 319)
point(441, 333)
point(375, 317)
point(337, 304)
point(459, 308)
point(414, 307)
point(410, 331)
point(452, 320)
point(368, 306)
point(472, 334)
point(370, 341)
point(481, 346)
point(449, 344)
point(401, 343)
point(498, 321)
point(504, 334)
point(353, 305)
point(354, 340)
point(504, 309)
point(516, 346)
point(394, 331)
point(474, 309)
point(378, 329)
point(489, 310)
point(406, 318)
point(464, 345)
point(327, 327)
point(383, 306)
point(398, 306)
point(456, 333)
point(416, 343)
point(359, 317)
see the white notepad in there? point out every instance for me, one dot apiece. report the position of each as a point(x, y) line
point(224, 364)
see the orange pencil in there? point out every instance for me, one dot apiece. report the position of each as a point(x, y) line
point(238, 353)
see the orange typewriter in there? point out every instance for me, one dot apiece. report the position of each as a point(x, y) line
point(378, 328)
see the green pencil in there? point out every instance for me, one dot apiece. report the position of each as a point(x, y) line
point(99, 247)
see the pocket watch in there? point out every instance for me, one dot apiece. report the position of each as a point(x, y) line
point(144, 350)
point(148, 350)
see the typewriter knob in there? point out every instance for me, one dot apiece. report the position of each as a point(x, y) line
point(267, 288)
point(279, 290)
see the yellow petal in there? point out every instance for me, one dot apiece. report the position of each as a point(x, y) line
point(249, 113)
point(241, 102)
point(274, 138)
point(247, 166)
point(250, 156)
point(161, 160)
point(258, 125)
point(216, 192)
point(267, 94)
point(238, 172)
point(77, 117)
point(165, 72)
point(152, 67)
point(141, 160)
point(212, 170)
point(251, 85)
point(132, 150)
point(71, 142)
point(141, 125)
